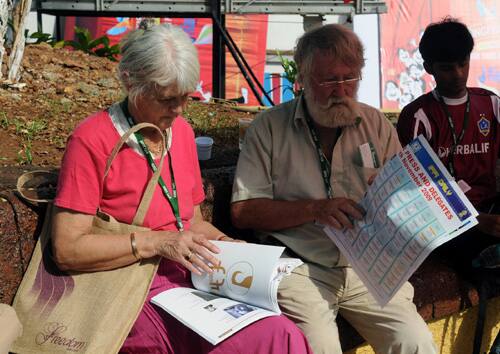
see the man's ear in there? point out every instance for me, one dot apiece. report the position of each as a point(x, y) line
point(428, 68)
point(299, 81)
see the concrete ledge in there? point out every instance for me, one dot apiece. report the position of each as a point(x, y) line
point(454, 334)
point(440, 293)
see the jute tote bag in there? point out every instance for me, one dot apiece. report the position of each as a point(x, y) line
point(82, 312)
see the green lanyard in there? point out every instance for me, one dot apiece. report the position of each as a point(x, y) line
point(456, 139)
point(171, 197)
point(326, 170)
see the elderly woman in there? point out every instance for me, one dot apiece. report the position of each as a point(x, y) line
point(158, 69)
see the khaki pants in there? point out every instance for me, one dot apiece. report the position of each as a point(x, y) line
point(11, 328)
point(313, 295)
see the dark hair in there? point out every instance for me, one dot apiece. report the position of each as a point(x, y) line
point(448, 41)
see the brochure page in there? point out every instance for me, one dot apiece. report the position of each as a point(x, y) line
point(413, 206)
point(241, 290)
point(212, 317)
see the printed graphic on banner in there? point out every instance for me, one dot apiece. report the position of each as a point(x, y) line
point(403, 75)
point(248, 32)
point(278, 88)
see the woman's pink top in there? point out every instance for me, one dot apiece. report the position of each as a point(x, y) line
point(81, 188)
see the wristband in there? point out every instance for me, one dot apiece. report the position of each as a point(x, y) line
point(133, 244)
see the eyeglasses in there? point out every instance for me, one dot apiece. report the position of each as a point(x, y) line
point(331, 83)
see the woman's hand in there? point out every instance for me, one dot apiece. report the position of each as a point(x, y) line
point(192, 250)
point(228, 239)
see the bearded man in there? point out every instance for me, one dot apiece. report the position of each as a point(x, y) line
point(300, 168)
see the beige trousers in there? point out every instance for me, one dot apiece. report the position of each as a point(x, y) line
point(10, 328)
point(313, 295)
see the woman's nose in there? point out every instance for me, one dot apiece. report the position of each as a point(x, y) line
point(177, 108)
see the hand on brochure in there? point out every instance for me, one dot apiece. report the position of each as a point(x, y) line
point(371, 179)
point(226, 238)
point(337, 212)
point(489, 224)
point(192, 250)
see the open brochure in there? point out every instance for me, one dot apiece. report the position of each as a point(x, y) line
point(240, 291)
point(413, 206)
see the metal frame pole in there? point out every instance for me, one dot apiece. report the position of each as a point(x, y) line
point(218, 52)
point(238, 61)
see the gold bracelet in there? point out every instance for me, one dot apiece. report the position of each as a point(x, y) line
point(133, 244)
point(220, 237)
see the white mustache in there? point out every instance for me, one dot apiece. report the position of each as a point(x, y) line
point(335, 101)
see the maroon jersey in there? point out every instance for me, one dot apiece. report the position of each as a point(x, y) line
point(476, 153)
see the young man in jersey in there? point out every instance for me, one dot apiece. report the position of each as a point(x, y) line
point(462, 125)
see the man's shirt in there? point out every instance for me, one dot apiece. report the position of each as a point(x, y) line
point(279, 161)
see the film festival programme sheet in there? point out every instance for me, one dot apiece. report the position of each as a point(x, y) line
point(241, 290)
point(413, 206)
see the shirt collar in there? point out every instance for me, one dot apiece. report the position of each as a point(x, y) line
point(451, 101)
point(121, 125)
point(299, 113)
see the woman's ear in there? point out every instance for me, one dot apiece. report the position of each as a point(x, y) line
point(126, 80)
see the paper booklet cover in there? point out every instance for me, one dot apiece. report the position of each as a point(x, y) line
point(240, 291)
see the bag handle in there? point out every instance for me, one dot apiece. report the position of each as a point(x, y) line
point(148, 193)
point(50, 177)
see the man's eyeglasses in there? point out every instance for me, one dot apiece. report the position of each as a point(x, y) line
point(331, 83)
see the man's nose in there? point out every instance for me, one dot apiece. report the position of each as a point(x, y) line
point(339, 90)
point(459, 71)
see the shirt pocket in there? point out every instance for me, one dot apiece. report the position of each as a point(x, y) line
point(359, 180)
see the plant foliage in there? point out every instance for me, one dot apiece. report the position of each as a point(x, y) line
point(41, 37)
point(98, 46)
point(290, 73)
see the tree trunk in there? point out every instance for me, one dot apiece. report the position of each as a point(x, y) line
point(5, 7)
point(16, 56)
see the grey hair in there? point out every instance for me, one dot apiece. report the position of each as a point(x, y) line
point(332, 39)
point(160, 56)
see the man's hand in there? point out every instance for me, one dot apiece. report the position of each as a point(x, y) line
point(489, 224)
point(337, 212)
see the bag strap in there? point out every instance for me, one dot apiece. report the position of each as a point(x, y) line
point(148, 193)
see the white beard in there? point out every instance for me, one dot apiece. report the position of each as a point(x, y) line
point(337, 112)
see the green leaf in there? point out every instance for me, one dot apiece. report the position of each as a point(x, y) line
point(59, 44)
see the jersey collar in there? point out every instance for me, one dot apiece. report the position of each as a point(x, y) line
point(451, 101)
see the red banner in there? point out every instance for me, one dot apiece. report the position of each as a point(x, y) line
point(403, 75)
point(249, 32)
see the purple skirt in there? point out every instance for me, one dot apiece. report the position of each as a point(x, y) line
point(155, 331)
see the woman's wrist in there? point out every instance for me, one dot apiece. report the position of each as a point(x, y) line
point(133, 246)
point(149, 243)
